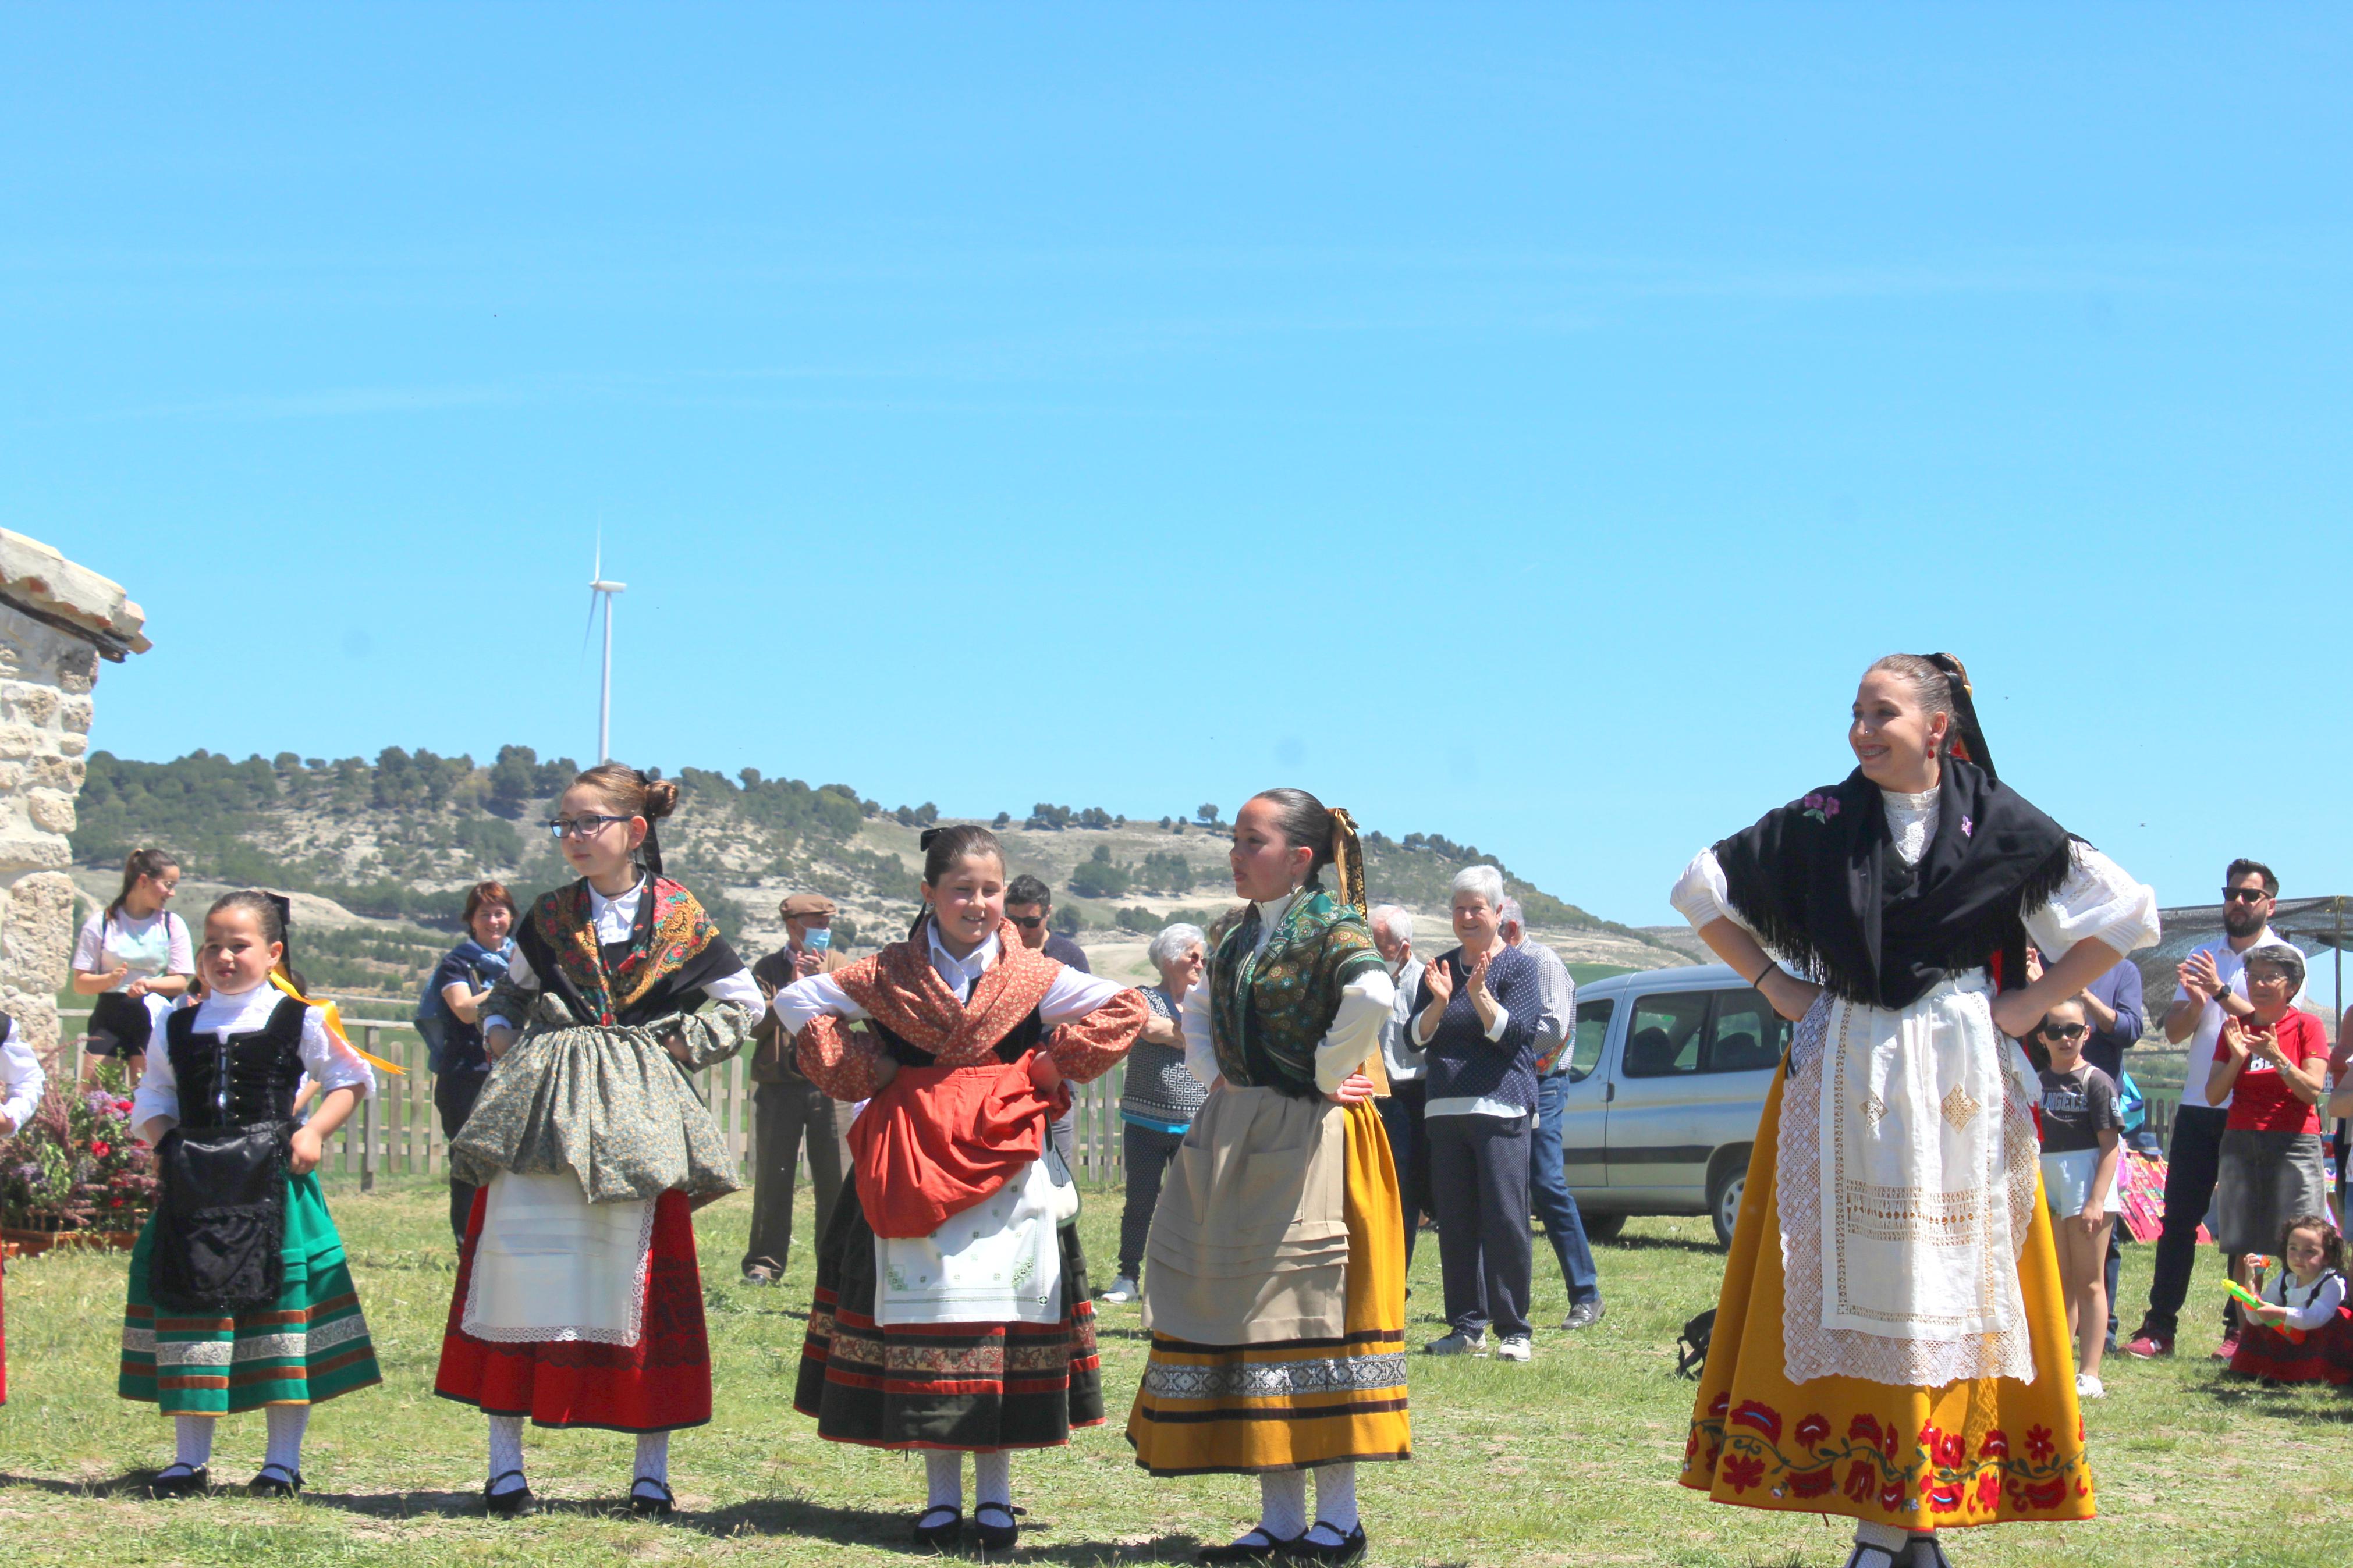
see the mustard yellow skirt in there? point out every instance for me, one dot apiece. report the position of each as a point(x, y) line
point(1286, 1404)
point(1980, 1451)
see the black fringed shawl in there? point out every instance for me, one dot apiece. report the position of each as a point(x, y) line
point(1819, 880)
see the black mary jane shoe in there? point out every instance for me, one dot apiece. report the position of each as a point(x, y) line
point(281, 1484)
point(943, 1536)
point(1265, 1549)
point(516, 1504)
point(167, 1487)
point(646, 1507)
point(995, 1537)
point(1348, 1549)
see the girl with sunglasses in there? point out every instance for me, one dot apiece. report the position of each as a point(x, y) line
point(2083, 1130)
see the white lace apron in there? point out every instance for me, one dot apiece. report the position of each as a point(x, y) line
point(996, 1262)
point(1906, 1182)
point(550, 1265)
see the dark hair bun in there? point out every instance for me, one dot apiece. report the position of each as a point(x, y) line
point(661, 799)
point(923, 839)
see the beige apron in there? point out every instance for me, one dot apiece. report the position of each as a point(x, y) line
point(1250, 1243)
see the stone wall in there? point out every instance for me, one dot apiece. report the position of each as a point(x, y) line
point(54, 617)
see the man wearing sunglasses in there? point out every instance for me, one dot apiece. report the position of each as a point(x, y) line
point(2213, 986)
point(1027, 903)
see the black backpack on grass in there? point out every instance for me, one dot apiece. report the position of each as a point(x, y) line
point(1691, 1355)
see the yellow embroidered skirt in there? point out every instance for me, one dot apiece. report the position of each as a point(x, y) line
point(1288, 1403)
point(1981, 1451)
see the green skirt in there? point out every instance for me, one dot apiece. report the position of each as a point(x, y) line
point(309, 1346)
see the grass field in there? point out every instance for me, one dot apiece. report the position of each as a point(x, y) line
point(1567, 1461)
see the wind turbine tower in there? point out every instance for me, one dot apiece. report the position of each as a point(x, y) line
point(599, 585)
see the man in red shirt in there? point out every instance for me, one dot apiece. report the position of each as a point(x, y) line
point(2271, 1067)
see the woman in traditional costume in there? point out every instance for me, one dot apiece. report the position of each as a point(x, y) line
point(22, 1084)
point(1276, 1288)
point(1891, 1343)
point(578, 1302)
point(240, 1298)
point(951, 1312)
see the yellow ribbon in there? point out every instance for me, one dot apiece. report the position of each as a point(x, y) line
point(1349, 869)
point(334, 1019)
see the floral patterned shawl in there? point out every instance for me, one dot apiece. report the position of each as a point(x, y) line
point(672, 950)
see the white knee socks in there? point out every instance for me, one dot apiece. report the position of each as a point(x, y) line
point(506, 1453)
point(1335, 1496)
point(943, 1472)
point(1282, 1504)
point(1888, 1538)
point(653, 1457)
point(191, 1441)
point(992, 1479)
point(286, 1423)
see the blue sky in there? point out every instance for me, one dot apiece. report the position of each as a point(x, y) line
point(1518, 424)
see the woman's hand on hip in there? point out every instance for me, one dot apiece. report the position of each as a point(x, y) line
point(2018, 1014)
point(885, 1070)
point(1791, 998)
point(1355, 1090)
point(1045, 1073)
point(303, 1153)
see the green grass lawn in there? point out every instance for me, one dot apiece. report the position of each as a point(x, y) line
point(1568, 1460)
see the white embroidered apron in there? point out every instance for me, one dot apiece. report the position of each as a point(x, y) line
point(996, 1262)
point(550, 1265)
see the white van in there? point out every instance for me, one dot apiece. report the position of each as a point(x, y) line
point(1666, 1081)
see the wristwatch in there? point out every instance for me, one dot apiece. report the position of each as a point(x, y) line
point(2222, 995)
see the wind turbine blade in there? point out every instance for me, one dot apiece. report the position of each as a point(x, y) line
point(589, 630)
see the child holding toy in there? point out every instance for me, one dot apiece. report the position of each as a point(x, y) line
point(2298, 1328)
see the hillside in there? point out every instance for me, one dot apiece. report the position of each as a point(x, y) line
point(385, 850)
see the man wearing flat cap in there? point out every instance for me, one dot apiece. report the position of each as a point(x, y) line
point(788, 1108)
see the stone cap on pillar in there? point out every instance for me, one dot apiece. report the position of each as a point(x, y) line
point(44, 584)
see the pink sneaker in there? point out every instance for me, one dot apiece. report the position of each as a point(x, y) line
point(2147, 1346)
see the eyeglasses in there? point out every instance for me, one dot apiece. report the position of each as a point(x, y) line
point(2243, 895)
point(2063, 1031)
point(1027, 922)
point(581, 827)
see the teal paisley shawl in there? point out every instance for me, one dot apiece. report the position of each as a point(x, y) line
point(1268, 1014)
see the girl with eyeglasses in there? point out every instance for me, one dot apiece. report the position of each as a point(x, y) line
point(578, 1302)
point(2082, 1141)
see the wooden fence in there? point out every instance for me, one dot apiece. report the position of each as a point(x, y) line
point(398, 1132)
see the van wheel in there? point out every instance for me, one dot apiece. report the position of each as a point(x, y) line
point(1727, 1179)
point(1602, 1226)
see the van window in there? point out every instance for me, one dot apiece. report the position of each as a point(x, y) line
point(1592, 1034)
point(1665, 1036)
point(1747, 1034)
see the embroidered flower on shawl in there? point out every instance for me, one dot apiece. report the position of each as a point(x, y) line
point(1759, 1417)
point(1813, 1429)
point(677, 930)
point(1742, 1472)
point(1988, 1488)
point(1996, 1445)
point(1968, 828)
point(1865, 1428)
point(1944, 1499)
point(1861, 1477)
point(2042, 1494)
point(2039, 1446)
point(1821, 807)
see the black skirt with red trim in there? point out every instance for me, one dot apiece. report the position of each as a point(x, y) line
point(660, 1383)
point(2324, 1355)
point(966, 1386)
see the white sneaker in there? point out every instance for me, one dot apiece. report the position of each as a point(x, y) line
point(1457, 1343)
point(1122, 1290)
point(2089, 1387)
point(1515, 1347)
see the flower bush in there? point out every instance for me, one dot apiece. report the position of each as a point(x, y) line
point(75, 1164)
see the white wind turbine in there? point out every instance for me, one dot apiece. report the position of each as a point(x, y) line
point(596, 585)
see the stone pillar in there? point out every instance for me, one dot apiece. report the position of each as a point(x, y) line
point(57, 620)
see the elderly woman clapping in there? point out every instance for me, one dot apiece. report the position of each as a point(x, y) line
point(1476, 1017)
point(2272, 1067)
point(1161, 1097)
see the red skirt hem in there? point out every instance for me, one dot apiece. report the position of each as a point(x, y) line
point(660, 1384)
